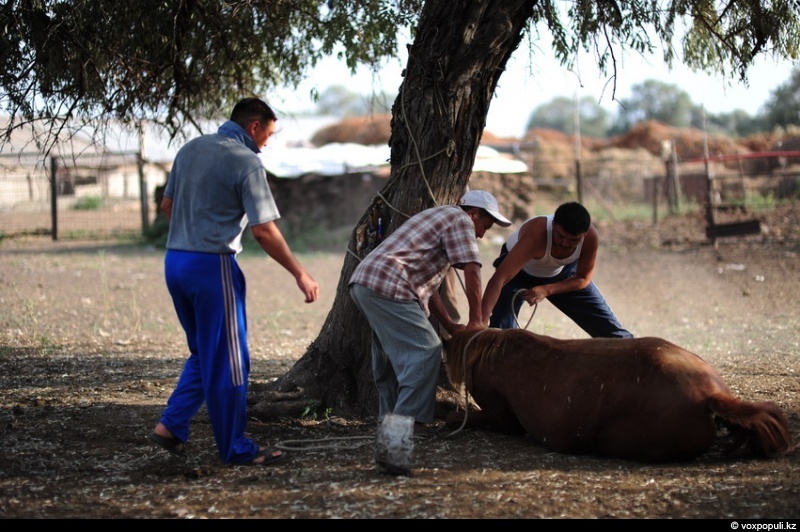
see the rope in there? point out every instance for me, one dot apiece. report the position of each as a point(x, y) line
point(460, 280)
point(390, 205)
point(300, 445)
point(289, 445)
point(466, 391)
point(416, 146)
point(514, 299)
point(353, 253)
point(448, 150)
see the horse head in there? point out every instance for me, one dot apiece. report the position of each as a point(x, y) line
point(465, 348)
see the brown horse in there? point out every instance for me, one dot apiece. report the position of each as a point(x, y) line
point(642, 399)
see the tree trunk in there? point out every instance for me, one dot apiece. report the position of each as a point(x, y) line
point(460, 51)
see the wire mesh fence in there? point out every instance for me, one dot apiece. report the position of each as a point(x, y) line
point(87, 197)
point(116, 196)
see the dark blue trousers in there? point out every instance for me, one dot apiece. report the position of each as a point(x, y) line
point(586, 307)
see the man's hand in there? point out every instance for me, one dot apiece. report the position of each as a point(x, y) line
point(476, 326)
point(308, 286)
point(455, 327)
point(532, 296)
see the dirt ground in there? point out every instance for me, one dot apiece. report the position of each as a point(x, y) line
point(90, 349)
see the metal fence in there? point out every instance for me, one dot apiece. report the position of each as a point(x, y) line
point(114, 195)
point(86, 197)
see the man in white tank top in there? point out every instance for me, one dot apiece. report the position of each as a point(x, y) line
point(551, 257)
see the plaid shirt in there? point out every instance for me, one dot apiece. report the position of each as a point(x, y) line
point(412, 262)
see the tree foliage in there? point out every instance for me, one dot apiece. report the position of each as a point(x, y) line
point(655, 100)
point(179, 62)
point(338, 100)
point(736, 123)
point(783, 107)
point(664, 102)
point(560, 114)
point(175, 62)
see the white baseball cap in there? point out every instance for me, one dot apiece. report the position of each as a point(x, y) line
point(487, 202)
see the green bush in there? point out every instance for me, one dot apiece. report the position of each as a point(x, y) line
point(88, 203)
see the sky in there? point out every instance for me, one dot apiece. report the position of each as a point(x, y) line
point(523, 86)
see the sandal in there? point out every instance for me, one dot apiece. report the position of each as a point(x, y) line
point(269, 457)
point(173, 445)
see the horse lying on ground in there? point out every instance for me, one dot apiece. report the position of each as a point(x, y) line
point(642, 399)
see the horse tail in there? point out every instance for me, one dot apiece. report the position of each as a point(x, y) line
point(759, 429)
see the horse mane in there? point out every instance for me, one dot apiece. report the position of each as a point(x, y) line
point(467, 348)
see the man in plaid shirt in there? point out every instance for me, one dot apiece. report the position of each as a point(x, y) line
point(396, 288)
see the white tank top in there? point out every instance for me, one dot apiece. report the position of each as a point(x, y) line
point(547, 266)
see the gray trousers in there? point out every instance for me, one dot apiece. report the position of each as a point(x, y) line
point(406, 354)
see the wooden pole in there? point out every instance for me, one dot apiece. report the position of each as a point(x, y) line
point(143, 197)
point(53, 195)
point(577, 126)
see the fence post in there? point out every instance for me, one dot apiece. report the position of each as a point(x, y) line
point(578, 174)
point(674, 180)
point(143, 198)
point(53, 195)
point(656, 182)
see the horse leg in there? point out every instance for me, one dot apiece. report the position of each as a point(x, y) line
point(759, 429)
point(490, 417)
point(682, 433)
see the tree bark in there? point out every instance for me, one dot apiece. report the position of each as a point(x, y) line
point(460, 50)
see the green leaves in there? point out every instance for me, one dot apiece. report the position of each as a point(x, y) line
point(181, 62)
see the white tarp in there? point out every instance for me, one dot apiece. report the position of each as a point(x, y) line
point(331, 159)
point(490, 160)
point(289, 153)
point(348, 158)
